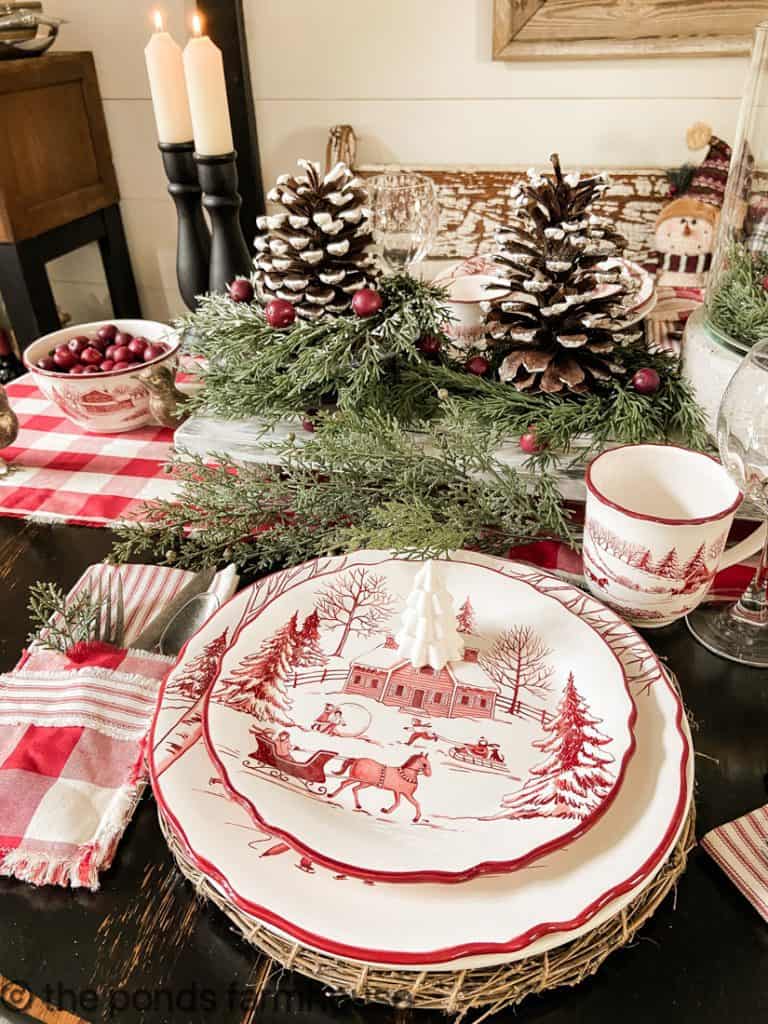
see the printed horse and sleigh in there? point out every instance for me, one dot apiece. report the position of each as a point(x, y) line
point(362, 772)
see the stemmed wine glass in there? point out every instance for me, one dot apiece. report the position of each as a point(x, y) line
point(404, 217)
point(740, 631)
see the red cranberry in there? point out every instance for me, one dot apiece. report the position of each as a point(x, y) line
point(478, 365)
point(77, 345)
point(64, 359)
point(91, 369)
point(529, 444)
point(78, 368)
point(430, 344)
point(121, 365)
point(123, 338)
point(279, 313)
point(366, 302)
point(46, 363)
point(109, 351)
point(241, 290)
point(121, 354)
point(107, 365)
point(137, 346)
point(107, 332)
point(646, 381)
point(91, 356)
point(153, 352)
point(99, 343)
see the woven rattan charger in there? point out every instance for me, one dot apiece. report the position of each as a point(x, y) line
point(461, 991)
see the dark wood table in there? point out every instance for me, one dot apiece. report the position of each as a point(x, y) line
point(142, 949)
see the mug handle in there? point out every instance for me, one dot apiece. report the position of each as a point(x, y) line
point(744, 549)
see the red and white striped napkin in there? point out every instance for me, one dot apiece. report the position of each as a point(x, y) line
point(741, 849)
point(72, 739)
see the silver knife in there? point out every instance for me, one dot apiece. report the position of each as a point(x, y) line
point(150, 636)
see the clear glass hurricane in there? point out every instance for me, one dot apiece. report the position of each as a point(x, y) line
point(404, 218)
point(740, 631)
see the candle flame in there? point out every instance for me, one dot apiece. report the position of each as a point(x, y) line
point(158, 21)
point(197, 25)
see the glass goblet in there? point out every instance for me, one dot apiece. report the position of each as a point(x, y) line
point(404, 217)
point(740, 631)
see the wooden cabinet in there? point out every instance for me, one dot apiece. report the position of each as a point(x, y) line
point(58, 189)
point(56, 162)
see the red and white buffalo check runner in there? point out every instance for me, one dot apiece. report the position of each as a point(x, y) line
point(62, 474)
point(741, 850)
point(72, 738)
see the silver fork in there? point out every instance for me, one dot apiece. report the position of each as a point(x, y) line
point(107, 628)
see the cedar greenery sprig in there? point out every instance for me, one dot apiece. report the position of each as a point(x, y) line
point(358, 482)
point(60, 623)
point(256, 370)
point(613, 413)
point(738, 306)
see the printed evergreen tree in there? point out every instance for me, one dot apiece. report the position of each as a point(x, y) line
point(573, 781)
point(258, 684)
point(465, 620)
point(307, 651)
point(202, 669)
point(645, 561)
point(669, 566)
point(695, 569)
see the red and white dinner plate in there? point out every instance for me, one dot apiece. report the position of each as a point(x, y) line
point(488, 919)
point(338, 745)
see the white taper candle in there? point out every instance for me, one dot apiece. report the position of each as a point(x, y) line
point(165, 69)
point(204, 72)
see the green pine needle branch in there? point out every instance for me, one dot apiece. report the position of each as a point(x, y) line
point(358, 482)
point(738, 305)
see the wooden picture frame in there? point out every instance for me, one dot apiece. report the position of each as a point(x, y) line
point(588, 29)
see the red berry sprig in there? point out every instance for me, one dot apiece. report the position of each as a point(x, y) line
point(764, 283)
point(429, 344)
point(366, 302)
point(529, 442)
point(478, 365)
point(279, 313)
point(646, 381)
point(241, 290)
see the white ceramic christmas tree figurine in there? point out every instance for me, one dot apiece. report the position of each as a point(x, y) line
point(428, 633)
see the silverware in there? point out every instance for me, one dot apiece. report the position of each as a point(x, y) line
point(150, 637)
point(105, 628)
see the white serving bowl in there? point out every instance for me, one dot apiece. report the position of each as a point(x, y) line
point(103, 403)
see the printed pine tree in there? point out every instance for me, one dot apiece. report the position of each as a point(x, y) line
point(669, 566)
point(465, 620)
point(574, 779)
point(308, 651)
point(258, 684)
point(696, 566)
point(202, 669)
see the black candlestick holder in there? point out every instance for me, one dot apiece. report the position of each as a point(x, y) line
point(230, 257)
point(193, 245)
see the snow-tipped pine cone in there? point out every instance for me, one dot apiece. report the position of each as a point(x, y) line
point(316, 253)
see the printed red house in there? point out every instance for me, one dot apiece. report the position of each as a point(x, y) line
point(460, 690)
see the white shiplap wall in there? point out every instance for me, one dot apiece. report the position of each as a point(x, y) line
point(416, 80)
point(116, 31)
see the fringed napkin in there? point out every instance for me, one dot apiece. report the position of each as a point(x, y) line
point(72, 738)
point(741, 850)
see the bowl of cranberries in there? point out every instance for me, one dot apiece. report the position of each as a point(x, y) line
point(94, 372)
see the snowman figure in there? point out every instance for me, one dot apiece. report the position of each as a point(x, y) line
point(684, 239)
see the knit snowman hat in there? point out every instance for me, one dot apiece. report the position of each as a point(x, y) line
point(711, 176)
